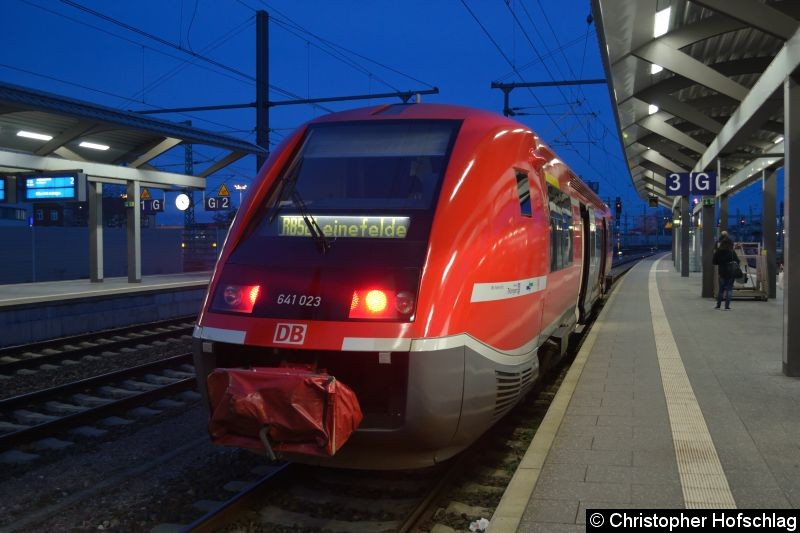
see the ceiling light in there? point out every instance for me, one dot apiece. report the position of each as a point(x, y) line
point(94, 146)
point(31, 135)
point(652, 109)
point(661, 23)
point(655, 69)
point(779, 139)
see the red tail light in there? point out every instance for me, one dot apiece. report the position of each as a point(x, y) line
point(381, 304)
point(239, 298)
point(253, 295)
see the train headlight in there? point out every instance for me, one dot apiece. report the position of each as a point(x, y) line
point(375, 301)
point(381, 304)
point(404, 303)
point(240, 298)
point(232, 295)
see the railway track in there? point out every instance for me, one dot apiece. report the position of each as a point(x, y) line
point(620, 266)
point(29, 417)
point(303, 498)
point(68, 350)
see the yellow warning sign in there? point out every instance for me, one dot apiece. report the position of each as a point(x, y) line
point(223, 191)
point(145, 194)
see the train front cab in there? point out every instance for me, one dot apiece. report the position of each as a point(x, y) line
point(430, 386)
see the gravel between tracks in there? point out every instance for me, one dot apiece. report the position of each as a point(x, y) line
point(126, 484)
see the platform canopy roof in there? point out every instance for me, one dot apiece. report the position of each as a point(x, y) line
point(698, 82)
point(133, 140)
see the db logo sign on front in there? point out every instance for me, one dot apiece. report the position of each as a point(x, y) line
point(290, 334)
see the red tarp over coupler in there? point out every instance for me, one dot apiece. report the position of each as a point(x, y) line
point(305, 412)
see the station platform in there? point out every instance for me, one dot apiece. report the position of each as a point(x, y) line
point(31, 312)
point(669, 404)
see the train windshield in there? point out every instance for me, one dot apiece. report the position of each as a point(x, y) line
point(390, 168)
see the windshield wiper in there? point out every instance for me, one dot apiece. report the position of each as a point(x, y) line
point(289, 180)
point(322, 242)
point(289, 189)
point(286, 190)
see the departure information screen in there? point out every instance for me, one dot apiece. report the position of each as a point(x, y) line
point(51, 187)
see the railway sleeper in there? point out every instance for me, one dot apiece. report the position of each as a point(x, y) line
point(139, 385)
point(89, 400)
point(65, 408)
point(32, 418)
point(116, 392)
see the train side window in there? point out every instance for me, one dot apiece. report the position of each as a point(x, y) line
point(524, 193)
point(561, 232)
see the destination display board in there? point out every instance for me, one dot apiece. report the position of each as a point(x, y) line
point(2, 189)
point(61, 187)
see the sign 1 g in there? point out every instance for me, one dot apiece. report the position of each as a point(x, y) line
point(686, 183)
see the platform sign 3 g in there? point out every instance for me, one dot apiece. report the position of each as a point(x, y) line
point(686, 183)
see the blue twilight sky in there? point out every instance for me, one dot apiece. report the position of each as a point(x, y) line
point(174, 53)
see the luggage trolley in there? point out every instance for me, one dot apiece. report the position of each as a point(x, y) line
point(753, 283)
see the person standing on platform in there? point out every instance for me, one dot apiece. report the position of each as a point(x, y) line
point(727, 263)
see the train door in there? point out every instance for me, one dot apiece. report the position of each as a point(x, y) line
point(585, 264)
point(604, 254)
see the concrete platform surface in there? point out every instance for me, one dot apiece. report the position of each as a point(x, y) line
point(49, 291)
point(32, 312)
point(670, 404)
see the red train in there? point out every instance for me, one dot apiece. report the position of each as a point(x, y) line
point(422, 255)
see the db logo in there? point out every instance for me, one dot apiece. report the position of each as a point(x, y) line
point(290, 334)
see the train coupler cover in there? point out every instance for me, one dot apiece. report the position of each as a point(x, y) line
point(304, 411)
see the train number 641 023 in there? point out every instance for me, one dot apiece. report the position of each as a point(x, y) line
point(304, 300)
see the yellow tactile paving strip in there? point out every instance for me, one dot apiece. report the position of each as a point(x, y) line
point(703, 481)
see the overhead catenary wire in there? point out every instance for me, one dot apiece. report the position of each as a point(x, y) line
point(136, 43)
point(107, 93)
point(545, 55)
point(600, 144)
point(566, 60)
point(331, 48)
point(126, 99)
point(536, 51)
point(340, 47)
point(505, 56)
point(191, 22)
point(195, 55)
point(233, 32)
point(156, 38)
point(334, 54)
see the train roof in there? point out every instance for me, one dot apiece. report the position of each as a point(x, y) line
point(416, 111)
